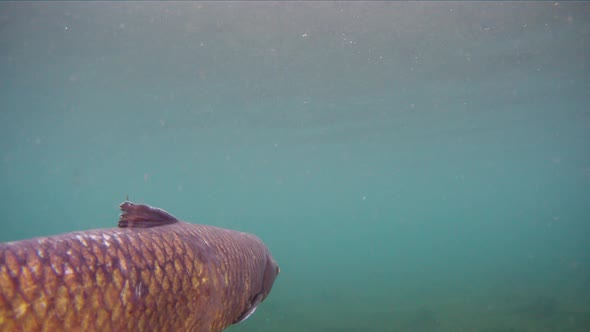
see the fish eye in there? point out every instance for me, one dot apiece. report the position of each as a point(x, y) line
point(278, 270)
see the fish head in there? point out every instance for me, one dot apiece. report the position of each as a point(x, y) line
point(271, 272)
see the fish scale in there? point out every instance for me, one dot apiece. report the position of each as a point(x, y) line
point(154, 273)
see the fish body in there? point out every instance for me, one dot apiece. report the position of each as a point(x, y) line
point(152, 273)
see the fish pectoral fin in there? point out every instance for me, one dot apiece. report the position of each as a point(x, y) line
point(143, 216)
point(251, 309)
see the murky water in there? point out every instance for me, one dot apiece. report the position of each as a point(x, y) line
point(412, 166)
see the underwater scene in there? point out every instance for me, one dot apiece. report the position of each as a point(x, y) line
point(411, 166)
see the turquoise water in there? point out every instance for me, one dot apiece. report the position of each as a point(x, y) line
point(412, 166)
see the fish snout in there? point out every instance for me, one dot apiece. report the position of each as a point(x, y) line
point(271, 272)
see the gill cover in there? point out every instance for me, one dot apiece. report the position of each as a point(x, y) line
point(251, 309)
point(271, 271)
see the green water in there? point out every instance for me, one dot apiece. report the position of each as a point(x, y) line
point(412, 166)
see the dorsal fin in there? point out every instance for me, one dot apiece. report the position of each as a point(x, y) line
point(143, 216)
